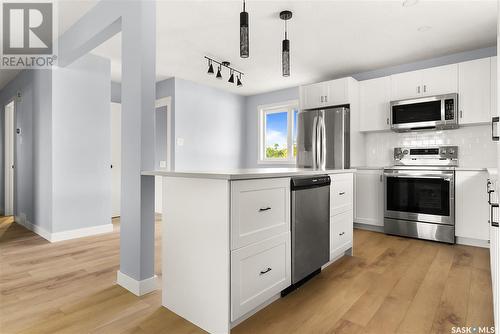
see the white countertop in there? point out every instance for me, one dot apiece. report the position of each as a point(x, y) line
point(474, 169)
point(246, 174)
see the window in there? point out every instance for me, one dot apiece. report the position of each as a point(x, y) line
point(278, 133)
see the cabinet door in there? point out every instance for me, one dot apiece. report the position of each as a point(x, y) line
point(313, 96)
point(406, 85)
point(375, 95)
point(369, 197)
point(336, 92)
point(258, 272)
point(471, 205)
point(494, 87)
point(440, 80)
point(474, 97)
point(341, 231)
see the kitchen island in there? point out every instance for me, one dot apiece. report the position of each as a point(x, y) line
point(226, 247)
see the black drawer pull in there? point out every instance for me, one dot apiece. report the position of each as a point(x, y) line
point(265, 271)
point(342, 233)
point(342, 193)
point(264, 209)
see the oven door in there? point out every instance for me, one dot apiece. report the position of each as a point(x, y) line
point(425, 196)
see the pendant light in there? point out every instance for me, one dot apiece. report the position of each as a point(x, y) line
point(221, 65)
point(244, 43)
point(285, 51)
point(231, 77)
point(238, 81)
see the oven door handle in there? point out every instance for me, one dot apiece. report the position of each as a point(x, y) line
point(423, 176)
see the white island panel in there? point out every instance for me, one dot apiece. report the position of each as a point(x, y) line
point(196, 251)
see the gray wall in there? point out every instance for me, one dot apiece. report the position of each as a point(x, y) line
point(81, 121)
point(31, 203)
point(211, 123)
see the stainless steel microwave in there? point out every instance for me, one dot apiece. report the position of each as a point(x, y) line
point(427, 113)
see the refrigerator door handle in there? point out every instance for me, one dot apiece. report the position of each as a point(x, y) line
point(314, 143)
point(322, 141)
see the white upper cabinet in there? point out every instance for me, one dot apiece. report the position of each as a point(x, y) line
point(406, 85)
point(431, 81)
point(474, 99)
point(440, 80)
point(324, 94)
point(375, 95)
point(494, 87)
point(313, 96)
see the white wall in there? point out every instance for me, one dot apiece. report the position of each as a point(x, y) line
point(476, 149)
point(81, 144)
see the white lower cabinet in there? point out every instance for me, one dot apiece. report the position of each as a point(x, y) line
point(369, 197)
point(258, 272)
point(471, 206)
point(341, 231)
point(341, 211)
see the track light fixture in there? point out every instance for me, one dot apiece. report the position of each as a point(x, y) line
point(285, 52)
point(221, 65)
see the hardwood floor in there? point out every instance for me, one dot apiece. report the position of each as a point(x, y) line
point(390, 285)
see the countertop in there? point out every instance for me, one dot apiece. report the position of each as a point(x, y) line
point(247, 174)
point(473, 169)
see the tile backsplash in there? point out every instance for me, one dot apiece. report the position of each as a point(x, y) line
point(476, 149)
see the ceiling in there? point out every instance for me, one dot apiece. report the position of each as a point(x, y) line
point(329, 39)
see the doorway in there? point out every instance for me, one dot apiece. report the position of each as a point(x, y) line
point(116, 158)
point(9, 141)
point(163, 130)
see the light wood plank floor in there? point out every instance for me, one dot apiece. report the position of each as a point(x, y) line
point(390, 285)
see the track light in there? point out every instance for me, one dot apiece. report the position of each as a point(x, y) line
point(220, 65)
point(285, 51)
point(210, 67)
point(219, 75)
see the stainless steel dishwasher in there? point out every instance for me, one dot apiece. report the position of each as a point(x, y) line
point(310, 226)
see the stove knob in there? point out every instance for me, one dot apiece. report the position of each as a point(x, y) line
point(405, 152)
point(443, 151)
point(451, 151)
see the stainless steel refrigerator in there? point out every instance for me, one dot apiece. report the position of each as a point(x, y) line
point(323, 138)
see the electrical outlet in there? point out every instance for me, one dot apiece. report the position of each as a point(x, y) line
point(180, 141)
point(163, 164)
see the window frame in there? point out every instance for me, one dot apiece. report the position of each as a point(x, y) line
point(263, 110)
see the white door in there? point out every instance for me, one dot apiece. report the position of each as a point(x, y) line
point(9, 159)
point(474, 97)
point(375, 95)
point(440, 80)
point(406, 85)
point(116, 158)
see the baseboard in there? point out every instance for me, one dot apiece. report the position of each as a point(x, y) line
point(21, 220)
point(138, 288)
point(81, 232)
point(472, 242)
point(64, 235)
point(373, 228)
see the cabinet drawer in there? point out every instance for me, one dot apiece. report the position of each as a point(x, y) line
point(340, 233)
point(258, 272)
point(259, 209)
point(341, 193)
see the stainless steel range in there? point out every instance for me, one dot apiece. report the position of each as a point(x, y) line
point(419, 193)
